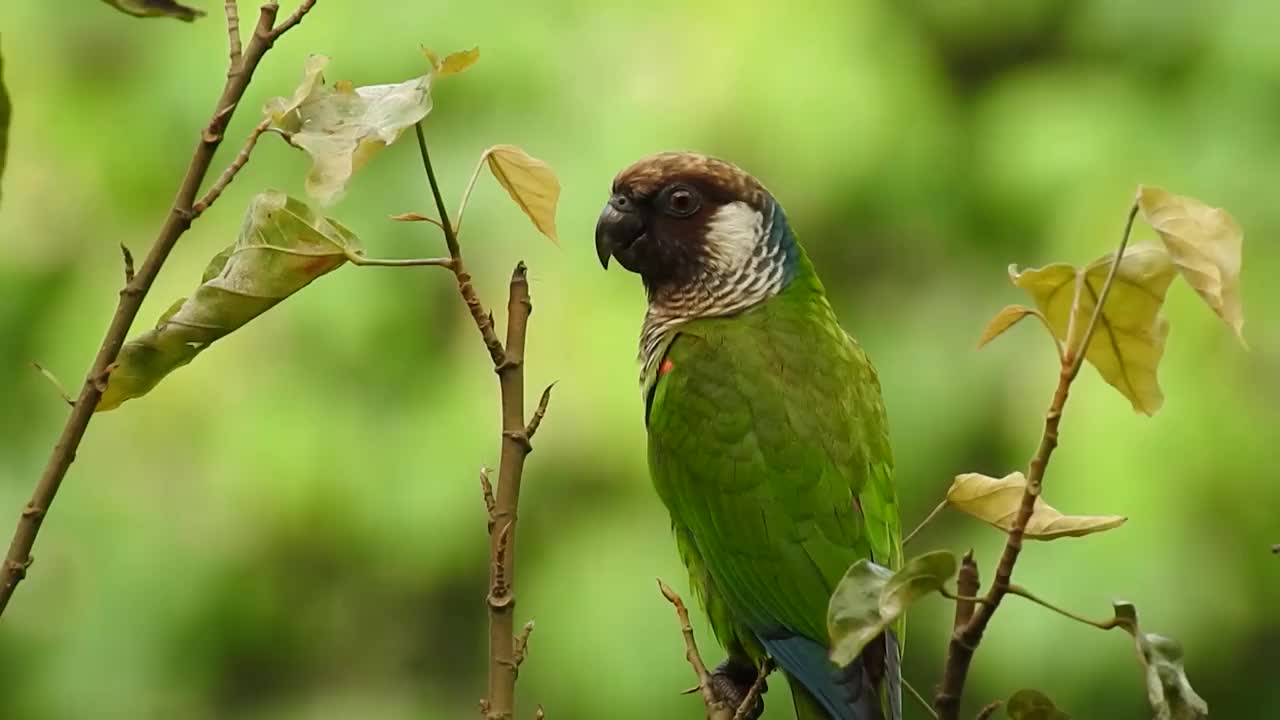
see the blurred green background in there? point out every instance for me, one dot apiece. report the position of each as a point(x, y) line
point(291, 527)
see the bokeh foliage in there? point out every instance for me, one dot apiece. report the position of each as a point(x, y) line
point(291, 527)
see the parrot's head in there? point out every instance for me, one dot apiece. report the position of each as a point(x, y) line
point(704, 235)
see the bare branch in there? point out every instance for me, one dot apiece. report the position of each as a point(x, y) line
point(178, 220)
point(303, 8)
point(691, 651)
point(230, 173)
point(235, 52)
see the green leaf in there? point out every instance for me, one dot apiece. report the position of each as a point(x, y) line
point(530, 182)
point(283, 246)
point(1205, 245)
point(869, 598)
point(5, 109)
point(1129, 341)
point(1169, 692)
point(156, 8)
point(343, 127)
point(1033, 705)
point(997, 500)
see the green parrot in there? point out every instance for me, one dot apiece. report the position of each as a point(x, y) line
point(767, 434)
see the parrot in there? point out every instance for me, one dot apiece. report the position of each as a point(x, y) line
point(767, 433)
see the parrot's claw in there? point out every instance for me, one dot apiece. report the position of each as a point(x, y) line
point(732, 680)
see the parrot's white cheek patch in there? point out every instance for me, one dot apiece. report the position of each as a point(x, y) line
point(732, 236)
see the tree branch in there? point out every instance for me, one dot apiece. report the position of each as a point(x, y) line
point(234, 49)
point(506, 649)
point(964, 640)
point(230, 173)
point(18, 558)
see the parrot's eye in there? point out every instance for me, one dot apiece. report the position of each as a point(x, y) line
point(681, 201)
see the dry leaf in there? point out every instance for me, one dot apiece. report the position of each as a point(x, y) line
point(530, 182)
point(1205, 245)
point(283, 246)
point(1129, 341)
point(1169, 691)
point(996, 501)
point(342, 127)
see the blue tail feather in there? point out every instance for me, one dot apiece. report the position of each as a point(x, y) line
point(844, 693)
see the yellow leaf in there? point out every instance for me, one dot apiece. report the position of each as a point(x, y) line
point(996, 501)
point(1005, 319)
point(412, 217)
point(1129, 340)
point(457, 62)
point(1204, 243)
point(453, 63)
point(530, 182)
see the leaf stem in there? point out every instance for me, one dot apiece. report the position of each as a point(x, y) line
point(1015, 589)
point(920, 699)
point(927, 519)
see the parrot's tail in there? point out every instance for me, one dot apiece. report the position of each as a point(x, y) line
point(868, 689)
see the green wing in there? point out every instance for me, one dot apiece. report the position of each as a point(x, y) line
point(768, 443)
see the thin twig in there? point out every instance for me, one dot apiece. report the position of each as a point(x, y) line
point(296, 17)
point(482, 318)
point(57, 384)
point(538, 413)
point(230, 173)
point(128, 264)
point(753, 693)
point(927, 519)
point(965, 640)
point(233, 35)
point(920, 699)
point(691, 653)
point(361, 260)
point(18, 558)
point(987, 710)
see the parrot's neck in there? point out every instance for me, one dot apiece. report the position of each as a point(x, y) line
point(765, 258)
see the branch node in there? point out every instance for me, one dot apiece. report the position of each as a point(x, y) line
point(520, 437)
point(32, 512)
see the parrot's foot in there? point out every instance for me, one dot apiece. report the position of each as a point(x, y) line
point(732, 680)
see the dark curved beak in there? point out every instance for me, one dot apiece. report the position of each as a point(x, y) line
point(616, 231)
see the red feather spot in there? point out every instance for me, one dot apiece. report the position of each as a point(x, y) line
point(666, 367)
